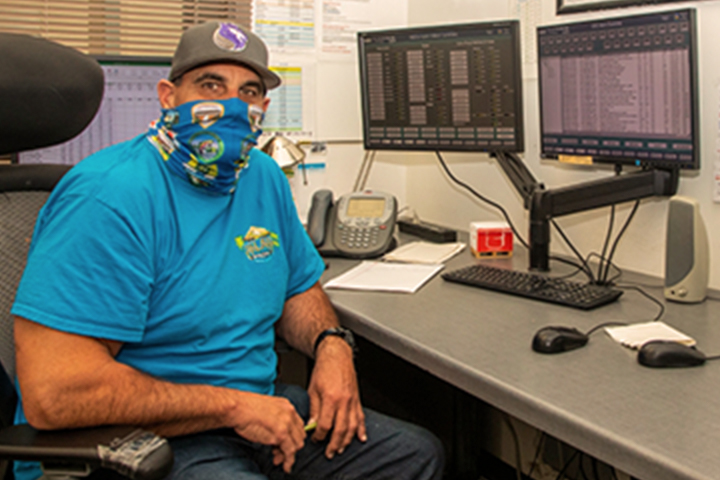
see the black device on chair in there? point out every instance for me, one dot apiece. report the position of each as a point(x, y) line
point(48, 94)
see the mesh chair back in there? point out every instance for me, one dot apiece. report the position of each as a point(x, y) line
point(18, 211)
point(23, 191)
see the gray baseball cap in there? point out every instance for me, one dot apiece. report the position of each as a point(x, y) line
point(219, 42)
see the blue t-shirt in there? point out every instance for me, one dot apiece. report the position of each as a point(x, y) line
point(192, 282)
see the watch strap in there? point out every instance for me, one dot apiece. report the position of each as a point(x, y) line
point(335, 332)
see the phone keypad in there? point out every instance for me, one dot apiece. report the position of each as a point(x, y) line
point(360, 237)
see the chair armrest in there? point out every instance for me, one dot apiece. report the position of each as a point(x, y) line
point(132, 452)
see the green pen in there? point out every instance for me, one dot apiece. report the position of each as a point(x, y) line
point(310, 426)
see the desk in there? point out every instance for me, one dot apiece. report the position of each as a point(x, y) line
point(652, 424)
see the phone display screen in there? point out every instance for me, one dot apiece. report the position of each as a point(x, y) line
point(366, 207)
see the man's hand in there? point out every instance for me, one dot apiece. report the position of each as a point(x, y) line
point(334, 397)
point(270, 421)
point(69, 380)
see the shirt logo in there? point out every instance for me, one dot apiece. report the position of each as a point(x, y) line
point(258, 244)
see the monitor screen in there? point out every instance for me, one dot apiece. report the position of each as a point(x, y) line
point(129, 104)
point(450, 87)
point(621, 90)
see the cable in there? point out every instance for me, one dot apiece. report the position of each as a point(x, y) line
point(518, 460)
point(647, 295)
point(596, 472)
point(567, 465)
point(569, 262)
point(586, 268)
point(538, 449)
point(630, 287)
point(607, 262)
point(481, 197)
point(578, 269)
point(582, 466)
point(617, 239)
point(607, 241)
point(605, 324)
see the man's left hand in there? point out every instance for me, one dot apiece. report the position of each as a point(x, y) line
point(334, 397)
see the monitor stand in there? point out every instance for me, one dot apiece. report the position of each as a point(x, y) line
point(545, 204)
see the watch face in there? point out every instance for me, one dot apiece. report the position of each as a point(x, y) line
point(347, 336)
point(341, 332)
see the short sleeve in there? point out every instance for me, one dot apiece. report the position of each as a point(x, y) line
point(89, 271)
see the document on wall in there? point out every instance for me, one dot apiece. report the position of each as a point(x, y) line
point(289, 113)
point(385, 276)
point(289, 24)
point(342, 19)
point(529, 12)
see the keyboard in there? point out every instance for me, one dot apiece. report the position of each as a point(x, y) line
point(534, 286)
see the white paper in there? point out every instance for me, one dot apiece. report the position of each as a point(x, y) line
point(385, 276)
point(635, 336)
point(424, 252)
point(285, 25)
point(342, 19)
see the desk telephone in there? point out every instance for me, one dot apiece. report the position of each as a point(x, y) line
point(358, 225)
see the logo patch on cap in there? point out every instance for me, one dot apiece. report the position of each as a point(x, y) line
point(230, 37)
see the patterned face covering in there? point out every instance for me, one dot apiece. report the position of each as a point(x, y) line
point(208, 142)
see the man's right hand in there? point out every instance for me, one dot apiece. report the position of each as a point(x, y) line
point(270, 421)
point(69, 381)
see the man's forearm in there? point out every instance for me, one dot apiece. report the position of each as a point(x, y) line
point(304, 317)
point(71, 381)
point(119, 395)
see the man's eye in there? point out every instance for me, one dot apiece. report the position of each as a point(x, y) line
point(249, 91)
point(210, 86)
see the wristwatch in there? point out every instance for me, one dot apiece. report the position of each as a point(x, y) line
point(341, 332)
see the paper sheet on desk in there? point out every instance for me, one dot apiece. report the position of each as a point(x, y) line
point(385, 276)
point(634, 336)
point(424, 252)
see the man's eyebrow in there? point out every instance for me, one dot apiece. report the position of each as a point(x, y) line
point(209, 76)
point(253, 83)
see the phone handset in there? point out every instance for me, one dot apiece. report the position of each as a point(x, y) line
point(319, 216)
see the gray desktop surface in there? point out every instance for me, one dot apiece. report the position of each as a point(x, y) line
point(651, 423)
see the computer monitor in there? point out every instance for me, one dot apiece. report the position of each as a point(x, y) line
point(621, 90)
point(129, 104)
point(449, 87)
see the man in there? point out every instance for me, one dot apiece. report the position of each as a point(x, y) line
point(159, 272)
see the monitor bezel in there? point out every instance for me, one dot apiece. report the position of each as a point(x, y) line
point(513, 25)
point(694, 97)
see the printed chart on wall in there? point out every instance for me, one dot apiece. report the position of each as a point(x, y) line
point(288, 113)
point(286, 25)
point(529, 12)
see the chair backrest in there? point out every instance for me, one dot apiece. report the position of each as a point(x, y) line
point(23, 191)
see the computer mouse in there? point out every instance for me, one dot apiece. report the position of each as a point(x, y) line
point(558, 339)
point(664, 354)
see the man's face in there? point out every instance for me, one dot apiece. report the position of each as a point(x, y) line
point(219, 81)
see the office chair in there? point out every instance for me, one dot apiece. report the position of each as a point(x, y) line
point(49, 94)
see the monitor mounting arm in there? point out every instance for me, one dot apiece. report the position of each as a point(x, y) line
point(518, 173)
point(545, 204)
